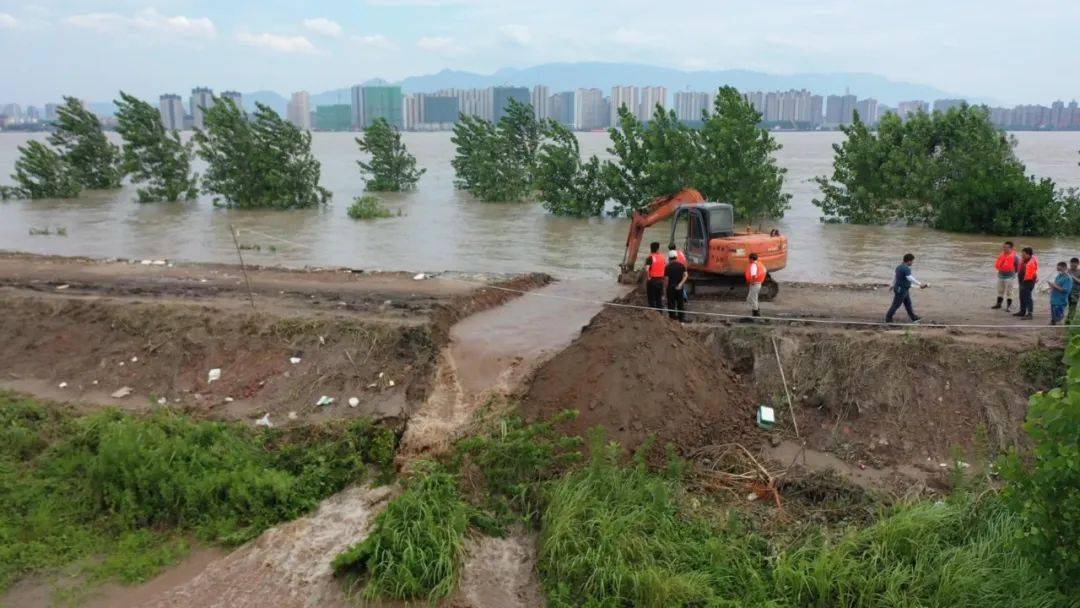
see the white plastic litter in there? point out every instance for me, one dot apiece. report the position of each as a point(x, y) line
point(64, 286)
point(144, 262)
point(294, 360)
point(391, 383)
point(62, 385)
point(372, 385)
point(381, 374)
point(229, 399)
point(215, 374)
point(293, 416)
point(324, 400)
point(264, 421)
point(134, 359)
point(121, 392)
point(159, 262)
point(353, 401)
point(420, 277)
point(162, 401)
point(94, 383)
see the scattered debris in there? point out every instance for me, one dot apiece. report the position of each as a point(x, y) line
point(381, 374)
point(325, 400)
point(215, 374)
point(121, 392)
point(294, 360)
point(62, 385)
point(420, 277)
point(229, 400)
point(373, 385)
point(390, 383)
point(162, 401)
point(766, 417)
point(293, 416)
point(354, 401)
point(264, 421)
point(134, 359)
point(64, 286)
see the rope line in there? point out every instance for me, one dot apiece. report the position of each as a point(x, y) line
point(720, 315)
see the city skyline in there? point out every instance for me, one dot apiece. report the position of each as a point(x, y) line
point(99, 46)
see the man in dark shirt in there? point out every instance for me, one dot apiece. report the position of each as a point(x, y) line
point(674, 281)
point(901, 288)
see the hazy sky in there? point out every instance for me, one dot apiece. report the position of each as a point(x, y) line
point(1014, 52)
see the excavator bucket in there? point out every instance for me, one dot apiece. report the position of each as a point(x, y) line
point(629, 276)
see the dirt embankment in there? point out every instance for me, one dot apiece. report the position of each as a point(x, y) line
point(138, 336)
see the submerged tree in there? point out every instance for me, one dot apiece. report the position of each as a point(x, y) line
point(391, 167)
point(496, 161)
point(261, 162)
point(155, 158)
point(82, 144)
point(953, 171)
point(41, 172)
point(565, 185)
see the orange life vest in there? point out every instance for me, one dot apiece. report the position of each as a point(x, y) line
point(1006, 262)
point(657, 264)
point(680, 256)
point(1030, 270)
point(755, 272)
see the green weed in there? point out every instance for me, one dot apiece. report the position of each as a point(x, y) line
point(367, 207)
point(1042, 367)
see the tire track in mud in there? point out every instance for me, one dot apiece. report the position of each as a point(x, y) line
point(490, 353)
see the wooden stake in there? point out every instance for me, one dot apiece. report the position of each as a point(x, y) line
point(243, 268)
point(791, 405)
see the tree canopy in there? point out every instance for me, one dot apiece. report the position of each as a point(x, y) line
point(565, 184)
point(953, 171)
point(496, 161)
point(82, 144)
point(40, 172)
point(391, 167)
point(157, 160)
point(263, 161)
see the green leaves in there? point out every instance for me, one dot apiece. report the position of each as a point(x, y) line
point(954, 171)
point(40, 172)
point(262, 162)
point(153, 157)
point(566, 185)
point(496, 162)
point(367, 207)
point(391, 167)
point(83, 145)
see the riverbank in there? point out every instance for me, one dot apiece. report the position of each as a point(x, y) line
point(874, 413)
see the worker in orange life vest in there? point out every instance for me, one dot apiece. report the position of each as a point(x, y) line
point(1006, 265)
point(1028, 272)
point(755, 276)
point(654, 276)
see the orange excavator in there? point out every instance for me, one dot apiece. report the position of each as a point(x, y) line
point(716, 254)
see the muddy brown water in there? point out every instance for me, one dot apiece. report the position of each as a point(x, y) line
point(445, 229)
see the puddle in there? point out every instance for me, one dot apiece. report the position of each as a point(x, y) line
point(789, 452)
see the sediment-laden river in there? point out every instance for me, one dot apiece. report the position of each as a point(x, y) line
point(441, 228)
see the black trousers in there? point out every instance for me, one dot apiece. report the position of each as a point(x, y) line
point(654, 289)
point(1027, 303)
point(676, 303)
point(898, 300)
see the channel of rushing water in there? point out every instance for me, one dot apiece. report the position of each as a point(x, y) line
point(444, 229)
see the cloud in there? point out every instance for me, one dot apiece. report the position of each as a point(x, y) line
point(8, 21)
point(275, 42)
point(147, 22)
point(323, 26)
point(518, 35)
point(436, 43)
point(375, 41)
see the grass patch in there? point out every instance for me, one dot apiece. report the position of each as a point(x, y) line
point(127, 489)
point(414, 550)
point(368, 207)
point(1043, 367)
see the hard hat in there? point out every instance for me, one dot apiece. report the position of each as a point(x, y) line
point(672, 254)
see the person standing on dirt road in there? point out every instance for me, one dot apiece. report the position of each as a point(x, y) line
point(675, 281)
point(755, 276)
point(1006, 265)
point(654, 277)
point(1061, 287)
point(1028, 273)
point(901, 289)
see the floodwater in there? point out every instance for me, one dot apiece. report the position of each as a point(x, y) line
point(441, 228)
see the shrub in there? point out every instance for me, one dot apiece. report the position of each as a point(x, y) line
point(414, 550)
point(391, 167)
point(367, 207)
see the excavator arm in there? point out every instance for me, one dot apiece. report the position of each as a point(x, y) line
point(657, 211)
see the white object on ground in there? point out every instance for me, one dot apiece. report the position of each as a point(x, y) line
point(324, 400)
point(294, 360)
point(162, 401)
point(420, 277)
point(121, 392)
point(381, 374)
point(62, 385)
point(64, 286)
point(353, 401)
point(372, 385)
point(215, 374)
point(159, 262)
point(134, 359)
point(293, 416)
point(229, 399)
point(391, 383)
point(264, 421)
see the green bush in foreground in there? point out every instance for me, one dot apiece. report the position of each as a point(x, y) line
point(125, 487)
point(415, 548)
point(367, 207)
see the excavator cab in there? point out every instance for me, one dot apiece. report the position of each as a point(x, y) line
point(695, 225)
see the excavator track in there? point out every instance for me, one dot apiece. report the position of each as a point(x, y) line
point(729, 288)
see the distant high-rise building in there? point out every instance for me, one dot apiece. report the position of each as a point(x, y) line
point(1058, 118)
point(589, 109)
point(540, 95)
point(172, 112)
point(817, 110)
point(202, 99)
point(234, 96)
point(413, 110)
point(501, 97)
point(772, 107)
point(624, 97)
point(907, 108)
point(868, 110)
point(650, 98)
point(689, 105)
point(441, 109)
point(377, 101)
point(944, 105)
point(336, 117)
point(471, 102)
point(757, 99)
point(50, 111)
point(33, 114)
point(298, 110)
point(561, 108)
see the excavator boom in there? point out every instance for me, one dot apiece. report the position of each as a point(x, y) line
point(659, 210)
